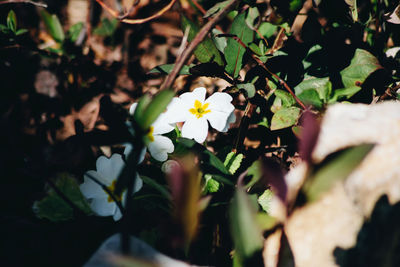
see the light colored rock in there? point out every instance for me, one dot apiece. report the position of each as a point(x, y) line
point(314, 231)
point(139, 250)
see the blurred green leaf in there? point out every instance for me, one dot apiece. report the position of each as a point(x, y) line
point(144, 101)
point(337, 169)
point(216, 8)
point(74, 31)
point(361, 66)
point(155, 108)
point(12, 21)
point(232, 161)
point(234, 51)
point(268, 29)
point(54, 208)
point(322, 85)
point(107, 27)
point(167, 68)
point(211, 185)
point(53, 26)
point(310, 97)
point(265, 221)
point(154, 184)
point(21, 31)
point(206, 51)
point(249, 88)
point(214, 161)
point(265, 200)
point(245, 231)
point(285, 117)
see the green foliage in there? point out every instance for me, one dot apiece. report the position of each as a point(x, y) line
point(107, 27)
point(53, 26)
point(285, 117)
point(232, 162)
point(249, 88)
point(74, 31)
point(335, 170)
point(361, 66)
point(234, 51)
point(206, 51)
point(54, 208)
point(12, 21)
point(310, 97)
point(265, 200)
point(211, 185)
point(321, 85)
point(245, 231)
point(167, 68)
point(11, 27)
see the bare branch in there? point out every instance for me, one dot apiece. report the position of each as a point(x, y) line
point(23, 2)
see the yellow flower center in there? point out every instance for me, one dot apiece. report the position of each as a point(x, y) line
point(150, 134)
point(112, 190)
point(199, 109)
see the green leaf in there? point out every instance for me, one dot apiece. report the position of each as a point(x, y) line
point(322, 85)
point(287, 99)
point(268, 29)
point(310, 97)
point(215, 162)
point(206, 51)
point(216, 8)
point(245, 231)
point(264, 123)
point(344, 93)
point(251, 17)
point(154, 184)
point(21, 31)
point(234, 51)
point(232, 161)
point(249, 88)
point(212, 185)
point(266, 221)
point(74, 31)
point(361, 66)
point(54, 208)
point(144, 101)
point(12, 21)
point(167, 68)
point(255, 171)
point(107, 27)
point(53, 26)
point(155, 108)
point(285, 117)
point(220, 42)
point(265, 200)
point(337, 169)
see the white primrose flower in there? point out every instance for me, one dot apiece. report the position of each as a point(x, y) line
point(107, 172)
point(194, 110)
point(159, 146)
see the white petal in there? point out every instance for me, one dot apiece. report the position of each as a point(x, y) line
point(231, 119)
point(217, 119)
point(195, 128)
point(162, 125)
point(117, 215)
point(128, 149)
point(197, 94)
point(105, 170)
point(89, 188)
point(132, 108)
point(220, 102)
point(160, 147)
point(102, 207)
point(138, 184)
point(177, 111)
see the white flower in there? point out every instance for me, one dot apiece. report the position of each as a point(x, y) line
point(107, 172)
point(193, 109)
point(159, 146)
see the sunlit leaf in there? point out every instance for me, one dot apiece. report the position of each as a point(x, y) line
point(361, 66)
point(232, 161)
point(310, 97)
point(249, 88)
point(285, 117)
point(12, 21)
point(53, 26)
point(322, 85)
point(265, 200)
point(211, 185)
point(234, 51)
point(216, 8)
point(206, 51)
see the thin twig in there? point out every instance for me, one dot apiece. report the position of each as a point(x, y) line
point(180, 61)
point(281, 81)
point(23, 2)
point(244, 125)
point(116, 14)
